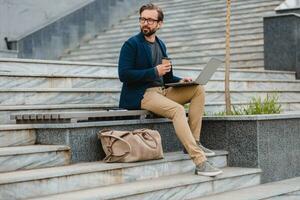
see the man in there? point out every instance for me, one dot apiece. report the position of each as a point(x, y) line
point(143, 76)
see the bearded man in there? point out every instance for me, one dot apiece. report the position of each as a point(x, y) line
point(144, 75)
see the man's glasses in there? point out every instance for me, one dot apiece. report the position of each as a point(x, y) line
point(149, 21)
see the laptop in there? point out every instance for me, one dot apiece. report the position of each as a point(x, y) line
point(207, 72)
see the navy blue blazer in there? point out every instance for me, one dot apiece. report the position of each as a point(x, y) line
point(136, 70)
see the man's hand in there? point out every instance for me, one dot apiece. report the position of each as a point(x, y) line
point(163, 68)
point(186, 79)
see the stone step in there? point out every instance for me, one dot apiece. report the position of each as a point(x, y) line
point(168, 31)
point(39, 182)
point(194, 33)
point(184, 58)
point(20, 67)
point(17, 138)
point(50, 96)
point(181, 47)
point(196, 44)
point(235, 48)
point(202, 59)
point(54, 96)
point(251, 48)
point(194, 57)
point(200, 63)
point(287, 189)
point(237, 74)
point(33, 157)
point(9, 138)
point(200, 49)
point(234, 52)
point(180, 53)
point(28, 81)
point(289, 196)
point(62, 81)
point(174, 22)
point(203, 34)
point(190, 20)
point(212, 50)
point(191, 48)
point(234, 64)
point(211, 108)
point(53, 68)
point(182, 186)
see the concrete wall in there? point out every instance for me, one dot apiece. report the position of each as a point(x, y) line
point(269, 142)
point(86, 146)
point(282, 43)
point(67, 32)
point(20, 17)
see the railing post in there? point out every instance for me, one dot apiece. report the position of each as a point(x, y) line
point(227, 59)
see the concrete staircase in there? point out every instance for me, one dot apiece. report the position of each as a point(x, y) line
point(37, 86)
point(18, 153)
point(157, 179)
point(193, 31)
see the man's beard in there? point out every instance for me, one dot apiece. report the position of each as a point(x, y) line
point(148, 32)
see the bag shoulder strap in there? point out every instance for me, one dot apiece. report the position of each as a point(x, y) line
point(146, 132)
point(108, 157)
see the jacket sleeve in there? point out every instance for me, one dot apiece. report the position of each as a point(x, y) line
point(176, 79)
point(127, 70)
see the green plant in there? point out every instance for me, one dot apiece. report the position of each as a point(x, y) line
point(269, 105)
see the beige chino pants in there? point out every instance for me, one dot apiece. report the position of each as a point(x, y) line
point(169, 103)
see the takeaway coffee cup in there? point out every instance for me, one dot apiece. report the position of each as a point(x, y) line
point(168, 75)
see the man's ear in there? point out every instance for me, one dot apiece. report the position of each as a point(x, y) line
point(160, 24)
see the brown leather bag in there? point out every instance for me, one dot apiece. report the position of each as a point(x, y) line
point(131, 146)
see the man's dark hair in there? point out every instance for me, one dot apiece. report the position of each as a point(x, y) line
point(151, 6)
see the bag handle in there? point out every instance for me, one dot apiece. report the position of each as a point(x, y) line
point(144, 131)
point(107, 158)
